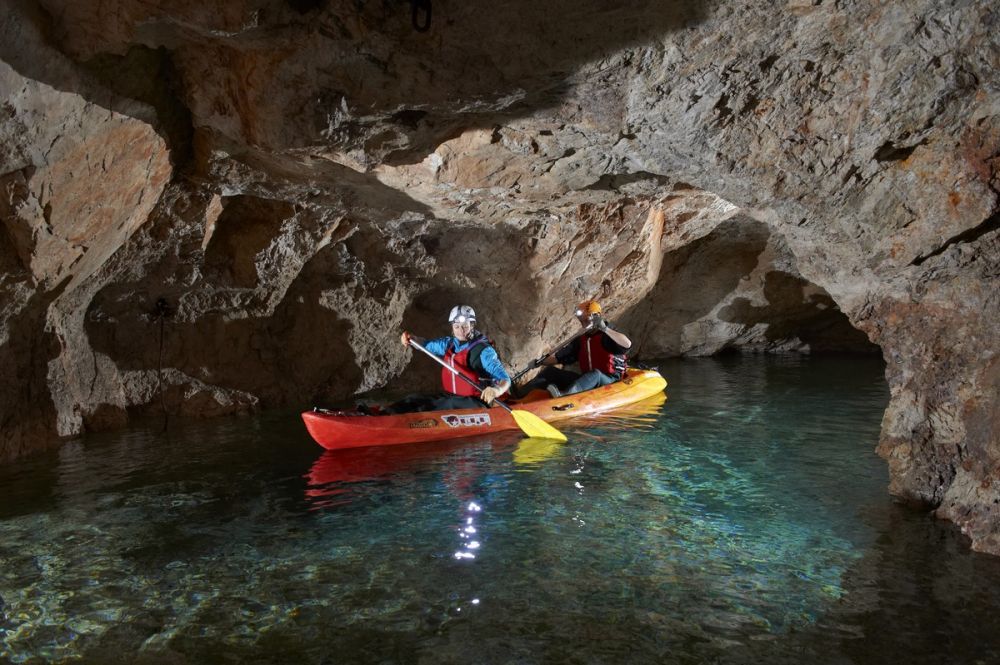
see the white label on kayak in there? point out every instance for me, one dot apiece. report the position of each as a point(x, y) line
point(470, 420)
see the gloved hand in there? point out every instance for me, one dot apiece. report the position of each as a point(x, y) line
point(598, 323)
point(489, 394)
point(537, 362)
point(405, 338)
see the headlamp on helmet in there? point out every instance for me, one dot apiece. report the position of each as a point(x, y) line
point(462, 314)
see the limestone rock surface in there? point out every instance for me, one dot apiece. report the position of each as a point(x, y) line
point(212, 207)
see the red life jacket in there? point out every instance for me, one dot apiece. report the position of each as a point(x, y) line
point(593, 355)
point(463, 361)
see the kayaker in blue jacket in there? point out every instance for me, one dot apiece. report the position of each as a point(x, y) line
point(470, 352)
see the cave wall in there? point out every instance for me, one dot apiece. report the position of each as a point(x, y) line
point(213, 207)
point(738, 288)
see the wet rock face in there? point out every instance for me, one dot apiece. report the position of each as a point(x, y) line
point(213, 207)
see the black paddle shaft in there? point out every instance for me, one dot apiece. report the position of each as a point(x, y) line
point(538, 363)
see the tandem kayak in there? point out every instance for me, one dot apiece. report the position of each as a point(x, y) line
point(338, 429)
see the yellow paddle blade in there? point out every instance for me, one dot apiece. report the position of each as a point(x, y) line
point(533, 451)
point(535, 427)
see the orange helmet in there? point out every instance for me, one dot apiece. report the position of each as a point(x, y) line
point(588, 307)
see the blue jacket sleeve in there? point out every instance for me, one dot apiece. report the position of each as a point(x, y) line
point(491, 363)
point(438, 346)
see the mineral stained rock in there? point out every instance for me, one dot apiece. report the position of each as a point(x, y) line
point(211, 207)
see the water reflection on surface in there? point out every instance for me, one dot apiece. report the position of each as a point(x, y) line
point(744, 519)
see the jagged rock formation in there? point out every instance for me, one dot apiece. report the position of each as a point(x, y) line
point(210, 207)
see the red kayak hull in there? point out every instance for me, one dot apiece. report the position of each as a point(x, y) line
point(336, 430)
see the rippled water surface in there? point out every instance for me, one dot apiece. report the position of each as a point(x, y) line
point(744, 519)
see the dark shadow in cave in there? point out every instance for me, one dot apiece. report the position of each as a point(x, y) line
point(362, 58)
point(477, 67)
point(484, 255)
point(676, 317)
point(27, 409)
point(908, 599)
point(110, 81)
point(302, 354)
point(295, 354)
point(693, 280)
point(792, 312)
point(245, 227)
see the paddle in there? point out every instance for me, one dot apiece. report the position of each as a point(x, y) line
point(538, 363)
point(529, 423)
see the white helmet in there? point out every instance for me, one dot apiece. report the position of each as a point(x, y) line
point(461, 314)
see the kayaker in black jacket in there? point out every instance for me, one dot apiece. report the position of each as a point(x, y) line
point(600, 352)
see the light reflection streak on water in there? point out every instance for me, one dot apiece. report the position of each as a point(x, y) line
point(468, 531)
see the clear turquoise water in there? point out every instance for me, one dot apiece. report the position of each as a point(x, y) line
point(744, 520)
